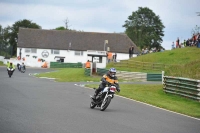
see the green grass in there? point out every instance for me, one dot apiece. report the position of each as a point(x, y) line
point(175, 56)
point(154, 95)
point(1, 63)
point(70, 75)
point(183, 62)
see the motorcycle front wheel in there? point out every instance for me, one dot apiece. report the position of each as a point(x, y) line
point(10, 74)
point(105, 103)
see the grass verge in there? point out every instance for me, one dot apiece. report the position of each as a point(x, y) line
point(1, 63)
point(70, 75)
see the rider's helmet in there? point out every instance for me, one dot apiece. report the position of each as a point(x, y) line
point(112, 72)
point(11, 63)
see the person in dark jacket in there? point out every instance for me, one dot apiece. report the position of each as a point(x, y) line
point(107, 79)
point(130, 52)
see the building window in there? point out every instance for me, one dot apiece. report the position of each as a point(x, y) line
point(30, 50)
point(79, 53)
point(53, 51)
point(33, 50)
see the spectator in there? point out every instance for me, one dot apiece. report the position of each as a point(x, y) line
point(177, 43)
point(188, 42)
point(173, 45)
point(194, 39)
point(184, 43)
point(87, 64)
point(130, 52)
point(198, 40)
point(142, 51)
point(109, 56)
point(115, 57)
point(146, 51)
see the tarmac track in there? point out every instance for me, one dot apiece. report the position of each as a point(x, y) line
point(34, 105)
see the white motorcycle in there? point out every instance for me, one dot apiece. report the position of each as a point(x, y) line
point(104, 97)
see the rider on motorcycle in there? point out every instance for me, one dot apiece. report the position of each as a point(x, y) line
point(107, 79)
point(11, 65)
point(23, 66)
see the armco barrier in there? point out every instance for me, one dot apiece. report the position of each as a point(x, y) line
point(65, 65)
point(154, 77)
point(182, 86)
point(101, 71)
point(87, 72)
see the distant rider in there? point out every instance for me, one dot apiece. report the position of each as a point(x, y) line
point(23, 66)
point(11, 66)
point(107, 79)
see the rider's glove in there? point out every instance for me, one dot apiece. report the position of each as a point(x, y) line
point(118, 89)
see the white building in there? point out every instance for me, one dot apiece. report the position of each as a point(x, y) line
point(70, 47)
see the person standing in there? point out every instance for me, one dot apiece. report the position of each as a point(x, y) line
point(130, 52)
point(109, 55)
point(172, 45)
point(87, 64)
point(187, 42)
point(115, 57)
point(177, 43)
point(184, 43)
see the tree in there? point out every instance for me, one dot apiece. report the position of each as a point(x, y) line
point(144, 28)
point(5, 48)
point(60, 28)
point(195, 30)
point(11, 34)
point(66, 24)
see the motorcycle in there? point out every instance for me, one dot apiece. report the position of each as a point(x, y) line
point(10, 71)
point(104, 97)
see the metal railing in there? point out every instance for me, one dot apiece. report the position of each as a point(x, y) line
point(186, 87)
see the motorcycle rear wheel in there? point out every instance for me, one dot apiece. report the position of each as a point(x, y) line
point(105, 103)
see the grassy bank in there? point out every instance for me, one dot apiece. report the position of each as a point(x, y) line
point(183, 62)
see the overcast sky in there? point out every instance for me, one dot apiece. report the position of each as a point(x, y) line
point(178, 16)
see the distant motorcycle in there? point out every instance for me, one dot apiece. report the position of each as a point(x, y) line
point(21, 68)
point(103, 99)
point(10, 71)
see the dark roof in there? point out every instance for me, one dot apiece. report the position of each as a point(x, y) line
point(80, 41)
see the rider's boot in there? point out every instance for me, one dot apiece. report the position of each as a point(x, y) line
point(95, 94)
